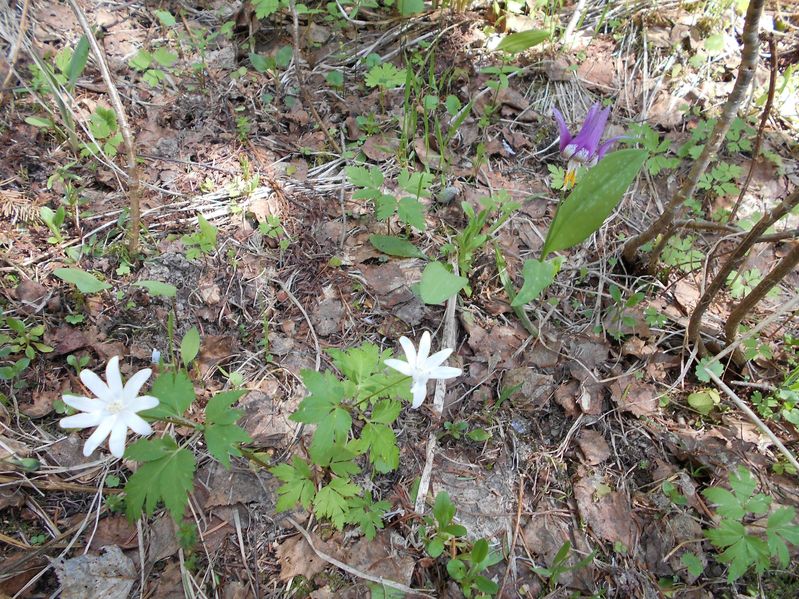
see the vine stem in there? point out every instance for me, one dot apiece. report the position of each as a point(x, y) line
point(746, 72)
point(134, 185)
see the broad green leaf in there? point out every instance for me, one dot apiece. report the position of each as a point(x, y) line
point(165, 17)
point(222, 435)
point(439, 284)
point(456, 568)
point(538, 275)
point(435, 547)
point(693, 563)
point(262, 64)
point(410, 7)
point(411, 212)
point(102, 122)
point(141, 60)
point(386, 411)
point(190, 346)
point(704, 401)
point(443, 509)
point(593, 199)
point(521, 41)
point(174, 391)
point(85, 282)
point(164, 57)
point(396, 246)
point(383, 450)
point(78, 62)
point(264, 8)
point(479, 551)
point(157, 288)
point(385, 205)
point(706, 365)
point(166, 475)
point(39, 122)
point(362, 177)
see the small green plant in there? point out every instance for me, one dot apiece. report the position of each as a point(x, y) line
point(741, 283)
point(366, 394)
point(740, 548)
point(680, 253)
point(78, 363)
point(54, 219)
point(659, 150)
point(670, 490)
point(273, 229)
point(203, 241)
point(560, 566)
point(466, 570)
point(621, 319)
point(153, 66)
point(408, 209)
point(460, 429)
point(22, 339)
point(721, 179)
point(103, 127)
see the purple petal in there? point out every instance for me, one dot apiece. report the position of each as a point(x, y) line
point(592, 129)
point(606, 145)
point(565, 136)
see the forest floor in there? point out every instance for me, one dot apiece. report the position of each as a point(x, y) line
point(596, 430)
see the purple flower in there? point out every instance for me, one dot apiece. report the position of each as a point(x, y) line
point(584, 148)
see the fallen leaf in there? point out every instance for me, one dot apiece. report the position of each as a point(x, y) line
point(115, 530)
point(215, 349)
point(110, 575)
point(380, 147)
point(608, 513)
point(41, 404)
point(635, 397)
point(296, 558)
point(593, 446)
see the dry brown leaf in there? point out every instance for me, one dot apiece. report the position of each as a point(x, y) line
point(380, 147)
point(115, 530)
point(593, 446)
point(635, 397)
point(110, 575)
point(607, 512)
point(296, 558)
point(214, 350)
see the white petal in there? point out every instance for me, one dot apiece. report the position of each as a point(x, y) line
point(83, 404)
point(403, 367)
point(419, 390)
point(113, 377)
point(424, 348)
point(438, 358)
point(138, 425)
point(143, 402)
point(81, 420)
point(445, 372)
point(95, 384)
point(410, 350)
point(117, 441)
point(135, 383)
point(98, 436)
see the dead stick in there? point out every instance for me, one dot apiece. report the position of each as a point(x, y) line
point(134, 186)
point(734, 261)
point(786, 265)
point(350, 570)
point(753, 417)
point(772, 85)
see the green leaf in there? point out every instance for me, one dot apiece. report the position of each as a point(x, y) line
point(439, 284)
point(382, 443)
point(385, 76)
point(367, 514)
point(385, 205)
point(141, 60)
point(692, 563)
point(165, 17)
point(435, 547)
point(331, 500)
point(322, 407)
point(85, 282)
point(190, 346)
point(479, 551)
point(521, 41)
point(222, 435)
point(262, 64)
point(385, 411)
point(704, 401)
point(457, 569)
point(78, 62)
point(443, 509)
point(175, 392)
point(538, 275)
point(362, 177)
point(593, 199)
point(164, 57)
point(264, 8)
point(410, 7)
point(335, 78)
point(102, 122)
point(706, 365)
point(157, 288)
point(396, 246)
point(411, 212)
point(417, 183)
point(485, 585)
point(727, 504)
point(39, 122)
point(299, 487)
point(166, 475)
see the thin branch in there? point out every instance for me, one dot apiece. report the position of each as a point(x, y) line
point(746, 72)
point(772, 85)
point(734, 261)
point(134, 186)
point(754, 418)
point(786, 265)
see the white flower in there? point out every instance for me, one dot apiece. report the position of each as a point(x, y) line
point(113, 412)
point(421, 367)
